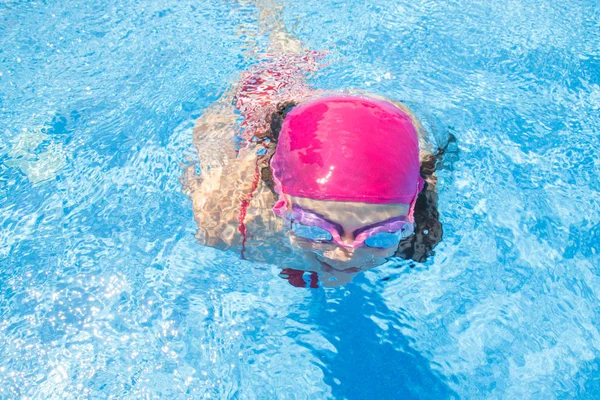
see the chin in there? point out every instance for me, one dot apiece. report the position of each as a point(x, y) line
point(352, 265)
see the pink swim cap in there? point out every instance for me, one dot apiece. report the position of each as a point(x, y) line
point(348, 148)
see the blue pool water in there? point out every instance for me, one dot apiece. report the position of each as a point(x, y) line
point(105, 293)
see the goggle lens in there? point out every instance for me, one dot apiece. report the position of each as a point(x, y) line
point(380, 240)
point(313, 233)
point(383, 240)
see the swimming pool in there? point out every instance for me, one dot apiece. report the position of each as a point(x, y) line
point(105, 293)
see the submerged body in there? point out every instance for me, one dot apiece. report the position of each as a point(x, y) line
point(253, 182)
point(235, 197)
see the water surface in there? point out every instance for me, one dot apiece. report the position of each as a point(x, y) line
point(104, 292)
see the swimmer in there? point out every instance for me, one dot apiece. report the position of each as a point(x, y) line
point(332, 183)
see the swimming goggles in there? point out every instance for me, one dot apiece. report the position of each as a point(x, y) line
point(311, 226)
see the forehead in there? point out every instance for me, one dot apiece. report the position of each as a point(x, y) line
point(352, 215)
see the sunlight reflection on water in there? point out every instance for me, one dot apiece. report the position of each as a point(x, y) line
point(104, 291)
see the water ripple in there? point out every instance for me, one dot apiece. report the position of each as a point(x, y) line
point(104, 291)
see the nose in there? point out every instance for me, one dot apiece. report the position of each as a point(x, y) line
point(347, 240)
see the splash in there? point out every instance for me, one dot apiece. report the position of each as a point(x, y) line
point(38, 166)
point(275, 80)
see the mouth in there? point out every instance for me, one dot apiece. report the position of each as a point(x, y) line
point(326, 266)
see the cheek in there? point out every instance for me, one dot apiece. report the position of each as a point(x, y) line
point(363, 257)
point(369, 252)
point(387, 252)
point(359, 258)
point(308, 245)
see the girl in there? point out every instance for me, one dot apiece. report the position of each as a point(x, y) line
point(326, 182)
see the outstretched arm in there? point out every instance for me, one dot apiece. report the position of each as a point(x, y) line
point(228, 135)
point(212, 191)
point(270, 19)
point(214, 133)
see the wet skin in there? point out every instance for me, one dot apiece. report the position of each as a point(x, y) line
point(351, 216)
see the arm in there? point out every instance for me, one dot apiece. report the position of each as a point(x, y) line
point(213, 191)
point(217, 197)
point(270, 19)
point(213, 133)
point(228, 176)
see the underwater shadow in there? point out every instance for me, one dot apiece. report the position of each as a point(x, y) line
point(372, 362)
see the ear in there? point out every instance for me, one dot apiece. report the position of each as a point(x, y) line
point(283, 204)
point(288, 200)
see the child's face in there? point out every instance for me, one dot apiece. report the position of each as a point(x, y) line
point(350, 216)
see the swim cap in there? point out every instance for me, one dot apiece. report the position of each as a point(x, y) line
point(348, 148)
